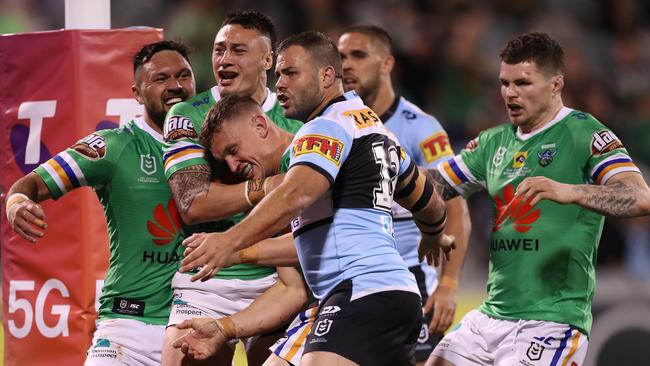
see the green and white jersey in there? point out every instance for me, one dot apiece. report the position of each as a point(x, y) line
point(124, 166)
point(181, 132)
point(542, 257)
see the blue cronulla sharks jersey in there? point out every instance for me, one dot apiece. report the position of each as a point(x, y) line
point(348, 233)
point(426, 142)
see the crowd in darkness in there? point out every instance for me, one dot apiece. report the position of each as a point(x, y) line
point(447, 62)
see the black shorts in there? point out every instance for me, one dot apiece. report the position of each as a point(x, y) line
point(377, 329)
point(426, 341)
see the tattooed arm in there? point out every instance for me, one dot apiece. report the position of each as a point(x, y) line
point(444, 189)
point(624, 195)
point(200, 200)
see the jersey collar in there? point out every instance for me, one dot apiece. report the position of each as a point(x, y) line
point(143, 125)
point(391, 110)
point(268, 104)
point(558, 117)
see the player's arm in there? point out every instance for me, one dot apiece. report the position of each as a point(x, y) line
point(270, 216)
point(25, 216)
point(201, 200)
point(625, 194)
point(272, 252)
point(417, 193)
point(275, 307)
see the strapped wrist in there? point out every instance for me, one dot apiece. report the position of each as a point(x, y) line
point(227, 327)
point(13, 200)
point(248, 255)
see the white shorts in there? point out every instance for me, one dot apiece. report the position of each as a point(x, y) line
point(215, 297)
point(292, 344)
point(126, 342)
point(482, 340)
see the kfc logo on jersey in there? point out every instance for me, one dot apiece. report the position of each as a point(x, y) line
point(435, 147)
point(92, 146)
point(603, 142)
point(178, 127)
point(325, 146)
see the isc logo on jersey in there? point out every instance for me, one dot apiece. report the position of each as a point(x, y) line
point(435, 147)
point(92, 146)
point(178, 127)
point(604, 141)
point(325, 146)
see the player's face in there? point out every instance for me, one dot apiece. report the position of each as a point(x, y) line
point(242, 146)
point(297, 87)
point(527, 92)
point(240, 59)
point(361, 64)
point(166, 79)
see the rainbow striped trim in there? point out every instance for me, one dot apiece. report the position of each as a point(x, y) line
point(180, 152)
point(65, 172)
point(611, 166)
point(291, 347)
point(458, 175)
point(574, 347)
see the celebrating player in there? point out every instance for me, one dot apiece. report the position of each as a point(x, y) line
point(368, 61)
point(136, 297)
point(241, 57)
point(344, 168)
point(547, 220)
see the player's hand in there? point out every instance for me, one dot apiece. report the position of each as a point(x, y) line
point(443, 304)
point(211, 252)
point(432, 246)
point(203, 340)
point(27, 218)
point(536, 189)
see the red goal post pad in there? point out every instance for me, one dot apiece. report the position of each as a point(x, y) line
point(55, 88)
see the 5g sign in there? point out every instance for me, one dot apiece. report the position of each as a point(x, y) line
point(36, 314)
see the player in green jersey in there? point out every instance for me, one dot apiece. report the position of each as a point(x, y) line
point(124, 166)
point(242, 55)
point(553, 174)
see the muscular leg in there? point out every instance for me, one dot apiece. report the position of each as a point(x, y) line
point(174, 357)
point(325, 358)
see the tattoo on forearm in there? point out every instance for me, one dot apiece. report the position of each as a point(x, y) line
point(616, 199)
point(444, 189)
point(188, 183)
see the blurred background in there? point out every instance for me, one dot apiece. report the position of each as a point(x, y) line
point(447, 63)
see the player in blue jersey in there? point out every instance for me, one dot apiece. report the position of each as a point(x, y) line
point(367, 55)
point(344, 170)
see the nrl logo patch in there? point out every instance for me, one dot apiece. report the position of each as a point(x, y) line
point(498, 156)
point(148, 164)
point(547, 154)
point(92, 147)
point(534, 352)
point(178, 127)
point(323, 327)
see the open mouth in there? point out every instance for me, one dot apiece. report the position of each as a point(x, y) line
point(514, 108)
point(283, 99)
point(173, 100)
point(246, 170)
point(349, 80)
point(226, 77)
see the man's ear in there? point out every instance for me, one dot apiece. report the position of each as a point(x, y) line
point(558, 84)
point(136, 94)
point(327, 76)
point(388, 64)
point(261, 125)
point(268, 61)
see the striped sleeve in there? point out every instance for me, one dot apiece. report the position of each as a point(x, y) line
point(611, 166)
point(460, 176)
point(182, 154)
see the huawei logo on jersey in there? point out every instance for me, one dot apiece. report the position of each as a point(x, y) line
point(166, 223)
point(511, 210)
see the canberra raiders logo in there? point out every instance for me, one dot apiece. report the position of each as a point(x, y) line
point(546, 154)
